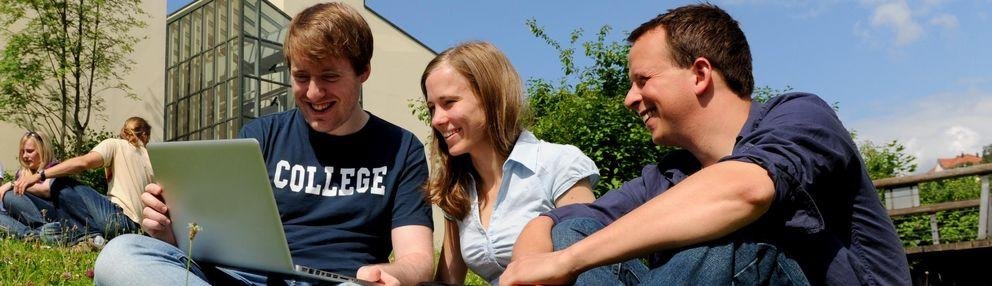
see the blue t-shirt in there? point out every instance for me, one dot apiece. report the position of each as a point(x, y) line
point(339, 197)
point(826, 213)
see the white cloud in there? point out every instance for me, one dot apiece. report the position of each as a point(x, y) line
point(960, 138)
point(898, 17)
point(946, 21)
point(939, 126)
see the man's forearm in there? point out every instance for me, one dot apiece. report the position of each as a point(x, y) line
point(535, 237)
point(709, 204)
point(411, 269)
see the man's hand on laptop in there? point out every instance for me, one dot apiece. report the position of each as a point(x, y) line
point(156, 222)
point(377, 275)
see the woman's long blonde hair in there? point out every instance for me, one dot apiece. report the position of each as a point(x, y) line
point(44, 149)
point(494, 80)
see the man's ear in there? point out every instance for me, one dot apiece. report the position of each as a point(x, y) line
point(365, 75)
point(702, 72)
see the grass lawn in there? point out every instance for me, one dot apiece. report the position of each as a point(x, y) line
point(31, 263)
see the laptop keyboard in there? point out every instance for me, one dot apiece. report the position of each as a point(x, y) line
point(324, 274)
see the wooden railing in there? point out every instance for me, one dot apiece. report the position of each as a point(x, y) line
point(984, 226)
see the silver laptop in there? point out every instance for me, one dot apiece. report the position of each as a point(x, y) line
point(222, 187)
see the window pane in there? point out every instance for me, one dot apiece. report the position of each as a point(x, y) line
point(183, 115)
point(197, 32)
point(249, 99)
point(195, 71)
point(235, 17)
point(170, 85)
point(251, 18)
point(220, 102)
point(183, 80)
point(221, 131)
point(272, 64)
point(209, 32)
point(233, 68)
point(250, 56)
point(221, 53)
point(273, 101)
point(184, 39)
point(208, 69)
point(232, 128)
point(207, 108)
point(273, 24)
point(194, 112)
point(174, 43)
point(170, 121)
point(221, 20)
point(233, 99)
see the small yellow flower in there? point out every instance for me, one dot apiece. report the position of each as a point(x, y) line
point(193, 229)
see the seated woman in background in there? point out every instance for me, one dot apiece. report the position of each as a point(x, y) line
point(26, 211)
point(490, 175)
point(127, 171)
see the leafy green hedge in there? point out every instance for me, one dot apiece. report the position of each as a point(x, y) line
point(954, 225)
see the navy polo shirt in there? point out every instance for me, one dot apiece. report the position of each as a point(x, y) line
point(826, 213)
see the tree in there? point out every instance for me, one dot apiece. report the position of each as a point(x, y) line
point(885, 161)
point(589, 113)
point(987, 154)
point(55, 71)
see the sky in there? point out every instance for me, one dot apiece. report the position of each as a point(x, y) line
point(916, 71)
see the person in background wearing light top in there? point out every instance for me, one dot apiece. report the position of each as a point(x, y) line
point(127, 172)
point(492, 175)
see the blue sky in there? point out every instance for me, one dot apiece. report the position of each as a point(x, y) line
point(917, 71)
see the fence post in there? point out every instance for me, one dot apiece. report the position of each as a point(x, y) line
point(984, 220)
point(934, 230)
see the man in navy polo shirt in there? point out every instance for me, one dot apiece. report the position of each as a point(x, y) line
point(772, 193)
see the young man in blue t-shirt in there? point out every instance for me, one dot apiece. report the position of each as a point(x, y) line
point(772, 193)
point(347, 183)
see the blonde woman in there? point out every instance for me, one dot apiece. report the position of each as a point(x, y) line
point(127, 171)
point(26, 210)
point(492, 176)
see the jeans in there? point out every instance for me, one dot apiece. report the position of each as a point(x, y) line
point(720, 262)
point(133, 259)
point(88, 210)
point(24, 214)
point(74, 212)
point(12, 227)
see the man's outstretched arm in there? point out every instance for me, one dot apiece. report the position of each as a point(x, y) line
point(712, 203)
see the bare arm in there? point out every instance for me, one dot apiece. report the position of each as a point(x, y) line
point(580, 193)
point(451, 268)
point(536, 235)
point(5, 187)
point(68, 167)
point(535, 238)
point(414, 251)
point(723, 197)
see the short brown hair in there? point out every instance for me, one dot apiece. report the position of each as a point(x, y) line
point(494, 80)
point(705, 30)
point(330, 30)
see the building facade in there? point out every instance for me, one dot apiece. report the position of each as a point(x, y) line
point(225, 67)
point(208, 68)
